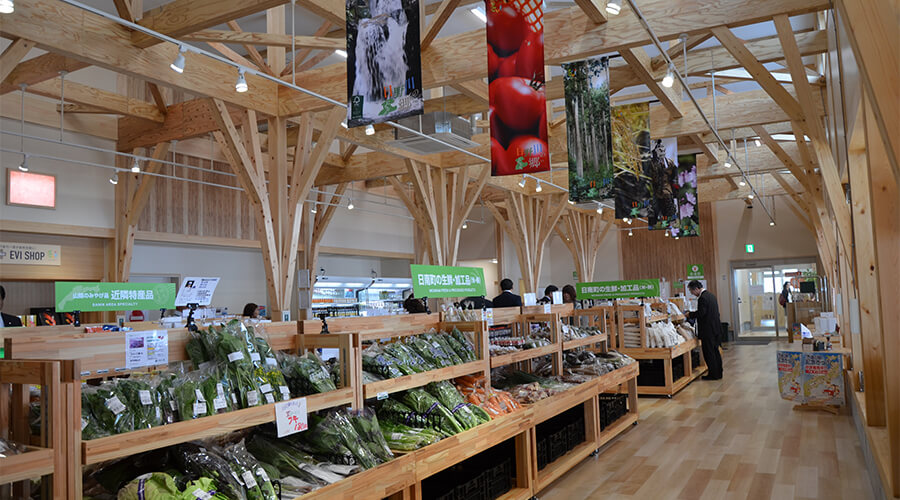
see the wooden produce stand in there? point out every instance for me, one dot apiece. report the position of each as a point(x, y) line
point(601, 317)
point(100, 355)
point(666, 354)
point(43, 457)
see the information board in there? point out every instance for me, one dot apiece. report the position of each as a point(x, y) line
point(447, 281)
point(196, 291)
point(103, 296)
point(601, 290)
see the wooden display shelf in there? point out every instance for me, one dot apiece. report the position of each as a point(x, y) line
point(390, 386)
point(516, 494)
point(34, 463)
point(523, 355)
point(563, 464)
point(131, 443)
point(667, 354)
point(617, 427)
point(378, 482)
point(593, 339)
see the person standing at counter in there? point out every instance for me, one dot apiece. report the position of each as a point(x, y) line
point(7, 320)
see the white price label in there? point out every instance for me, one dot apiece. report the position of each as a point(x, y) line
point(84, 423)
point(219, 403)
point(265, 388)
point(262, 473)
point(249, 480)
point(252, 398)
point(220, 391)
point(199, 409)
point(381, 396)
point(146, 400)
point(271, 362)
point(115, 405)
point(235, 356)
point(270, 398)
point(199, 395)
point(254, 356)
point(548, 308)
point(290, 417)
point(285, 392)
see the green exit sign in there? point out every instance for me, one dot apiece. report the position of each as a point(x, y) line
point(749, 248)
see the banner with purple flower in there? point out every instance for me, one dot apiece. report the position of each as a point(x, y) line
point(685, 190)
point(662, 210)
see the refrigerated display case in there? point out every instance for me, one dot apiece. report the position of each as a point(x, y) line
point(342, 296)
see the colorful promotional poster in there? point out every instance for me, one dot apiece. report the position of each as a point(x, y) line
point(518, 111)
point(663, 173)
point(384, 68)
point(790, 375)
point(631, 159)
point(589, 138)
point(823, 378)
point(687, 221)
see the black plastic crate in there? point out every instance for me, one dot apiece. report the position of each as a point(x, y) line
point(695, 358)
point(473, 489)
point(498, 479)
point(557, 445)
point(543, 453)
point(612, 408)
point(575, 434)
point(651, 373)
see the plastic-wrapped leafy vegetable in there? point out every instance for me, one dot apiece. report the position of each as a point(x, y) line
point(405, 438)
point(143, 401)
point(467, 343)
point(366, 425)
point(153, 486)
point(449, 396)
point(439, 339)
point(256, 481)
point(431, 352)
point(90, 428)
point(108, 408)
point(432, 409)
point(203, 488)
point(338, 422)
point(217, 390)
point(196, 349)
point(375, 360)
point(288, 460)
point(305, 374)
point(208, 463)
point(231, 348)
point(323, 442)
point(189, 399)
point(408, 360)
point(394, 411)
point(165, 395)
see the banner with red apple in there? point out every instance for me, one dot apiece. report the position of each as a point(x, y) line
point(518, 110)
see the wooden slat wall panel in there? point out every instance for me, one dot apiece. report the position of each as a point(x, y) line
point(181, 207)
point(649, 254)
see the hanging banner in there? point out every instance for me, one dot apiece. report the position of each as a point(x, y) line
point(631, 159)
point(589, 138)
point(626, 289)
point(663, 210)
point(88, 296)
point(447, 281)
point(384, 69)
point(518, 110)
point(687, 222)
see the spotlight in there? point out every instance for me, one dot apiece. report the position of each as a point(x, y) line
point(676, 237)
point(613, 7)
point(370, 129)
point(628, 221)
point(600, 210)
point(7, 7)
point(771, 223)
point(178, 65)
point(465, 225)
point(24, 165)
point(571, 202)
point(350, 205)
point(539, 188)
point(727, 164)
point(313, 209)
point(756, 141)
point(750, 196)
point(630, 232)
point(669, 79)
point(667, 233)
point(135, 167)
point(344, 123)
point(742, 183)
point(114, 179)
point(342, 53)
point(522, 182)
point(241, 84)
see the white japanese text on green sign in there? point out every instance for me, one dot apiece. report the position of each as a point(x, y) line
point(601, 290)
point(447, 281)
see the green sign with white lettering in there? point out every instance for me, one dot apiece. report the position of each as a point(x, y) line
point(605, 290)
point(749, 248)
point(447, 281)
point(695, 271)
point(97, 296)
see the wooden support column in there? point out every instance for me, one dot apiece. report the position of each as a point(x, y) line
point(529, 221)
point(440, 201)
point(581, 233)
point(315, 218)
point(275, 203)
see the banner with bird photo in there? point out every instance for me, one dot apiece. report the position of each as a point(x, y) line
point(687, 222)
point(663, 173)
point(631, 159)
point(518, 109)
point(588, 128)
point(384, 67)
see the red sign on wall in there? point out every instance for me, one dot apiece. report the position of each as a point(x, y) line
point(518, 114)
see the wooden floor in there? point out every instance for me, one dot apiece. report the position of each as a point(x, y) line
point(729, 439)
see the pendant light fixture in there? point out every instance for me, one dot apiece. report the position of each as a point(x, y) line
point(669, 79)
point(7, 7)
point(241, 84)
point(630, 232)
point(539, 188)
point(24, 165)
point(614, 7)
point(114, 179)
point(756, 141)
point(178, 64)
point(350, 204)
point(667, 233)
point(522, 182)
point(465, 225)
point(600, 210)
point(135, 167)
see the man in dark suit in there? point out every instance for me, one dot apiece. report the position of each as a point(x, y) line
point(709, 328)
point(506, 297)
point(7, 319)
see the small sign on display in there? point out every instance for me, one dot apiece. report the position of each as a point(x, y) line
point(96, 296)
point(694, 271)
point(602, 290)
point(30, 254)
point(147, 348)
point(291, 417)
point(196, 291)
point(749, 248)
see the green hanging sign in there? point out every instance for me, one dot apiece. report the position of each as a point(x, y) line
point(447, 281)
point(626, 289)
point(695, 271)
point(104, 296)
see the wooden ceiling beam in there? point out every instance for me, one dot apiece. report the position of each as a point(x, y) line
point(670, 97)
point(38, 69)
point(105, 43)
point(251, 50)
point(89, 96)
point(13, 54)
point(449, 59)
point(301, 55)
point(333, 11)
point(594, 9)
point(440, 17)
point(267, 39)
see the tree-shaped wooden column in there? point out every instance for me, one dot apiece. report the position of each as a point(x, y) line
point(529, 221)
point(581, 231)
point(276, 202)
point(440, 201)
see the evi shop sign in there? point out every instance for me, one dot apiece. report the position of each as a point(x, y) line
point(30, 254)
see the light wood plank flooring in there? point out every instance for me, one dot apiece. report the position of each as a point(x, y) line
point(729, 439)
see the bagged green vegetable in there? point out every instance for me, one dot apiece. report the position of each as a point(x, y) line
point(107, 405)
point(376, 360)
point(440, 340)
point(154, 486)
point(188, 396)
point(449, 396)
point(305, 375)
point(203, 488)
point(143, 400)
point(467, 344)
point(288, 460)
point(366, 425)
point(232, 349)
point(256, 482)
point(216, 389)
point(196, 349)
point(203, 462)
point(405, 438)
point(432, 410)
point(408, 360)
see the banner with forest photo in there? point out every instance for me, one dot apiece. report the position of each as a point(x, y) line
point(384, 68)
point(589, 135)
point(631, 159)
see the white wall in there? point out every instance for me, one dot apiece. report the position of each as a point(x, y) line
point(362, 229)
point(737, 226)
point(84, 195)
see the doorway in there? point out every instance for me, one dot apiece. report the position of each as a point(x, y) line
point(756, 288)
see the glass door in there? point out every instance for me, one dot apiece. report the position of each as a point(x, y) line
point(756, 300)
